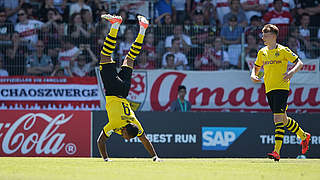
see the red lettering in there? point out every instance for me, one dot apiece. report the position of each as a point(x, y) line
point(233, 96)
point(297, 99)
point(312, 97)
point(262, 96)
point(154, 95)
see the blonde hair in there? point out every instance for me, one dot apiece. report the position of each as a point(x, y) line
point(270, 28)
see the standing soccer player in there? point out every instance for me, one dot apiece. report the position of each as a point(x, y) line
point(274, 58)
point(122, 119)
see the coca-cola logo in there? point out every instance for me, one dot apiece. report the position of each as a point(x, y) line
point(25, 135)
point(238, 97)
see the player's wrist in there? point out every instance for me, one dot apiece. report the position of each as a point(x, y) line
point(155, 158)
point(107, 159)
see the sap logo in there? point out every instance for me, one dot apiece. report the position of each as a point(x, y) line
point(220, 138)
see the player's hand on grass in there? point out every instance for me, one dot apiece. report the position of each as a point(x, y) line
point(107, 160)
point(288, 75)
point(156, 159)
point(255, 79)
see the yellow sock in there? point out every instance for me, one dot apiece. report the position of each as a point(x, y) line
point(279, 133)
point(110, 43)
point(140, 38)
point(113, 32)
point(294, 127)
point(136, 47)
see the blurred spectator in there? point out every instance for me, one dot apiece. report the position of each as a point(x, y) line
point(231, 36)
point(45, 6)
point(68, 52)
point(102, 29)
point(251, 49)
point(208, 60)
point(14, 60)
point(53, 44)
point(30, 11)
point(250, 58)
point(293, 45)
point(149, 47)
point(236, 10)
point(77, 30)
point(304, 26)
point(255, 28)
point(179, 10)
point(162, 31)
point(251, 43)
point(180, 59)
point(50, 28)
point(6, 30)
point(12, 7)
point(181, 104)
point(80, 67)
point(304, 31)
point(222, 8)
point(101, 5)
point(87, 20)
point(28, 29)
point(59, 71)
point(282, 19)
point(124, 15)
point(209, 13)
point(60, 5)
point(301, 42)
point(125, 45)
point(77, 6)
point(143, 61)
point(199, 32)
point(231, 32)
point(39, 63)
point(312, 8)
point(162, 8)
point(3, 72)
point(254, 7)
point(288, 5)
point(185, 40)
point(169, 62)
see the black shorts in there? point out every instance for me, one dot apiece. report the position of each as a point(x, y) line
point(115, 84)
point(277, 100)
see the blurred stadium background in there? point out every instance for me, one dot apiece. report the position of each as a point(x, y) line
point(52, 104)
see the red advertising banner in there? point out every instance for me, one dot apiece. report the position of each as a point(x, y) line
point(45, 133)
point(219, 91)
point(49, 93)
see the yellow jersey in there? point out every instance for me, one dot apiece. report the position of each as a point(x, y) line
point(119, 114)
point(275, 62)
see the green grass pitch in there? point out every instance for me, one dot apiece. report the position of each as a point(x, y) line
point(24, 168)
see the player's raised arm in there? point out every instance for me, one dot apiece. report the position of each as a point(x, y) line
point(149, 147)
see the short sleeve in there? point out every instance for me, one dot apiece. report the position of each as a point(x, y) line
point(289, 55)
point(108, 129)
point(259, 61)
point(141, 131)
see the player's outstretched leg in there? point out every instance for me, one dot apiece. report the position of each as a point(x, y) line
point(279, 133)
point(110, 41)
point(294, 127)
point(137, 45)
